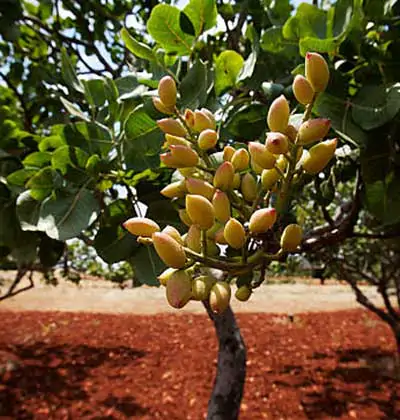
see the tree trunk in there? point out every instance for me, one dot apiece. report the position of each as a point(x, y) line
point(396, 332)
point(224, 403)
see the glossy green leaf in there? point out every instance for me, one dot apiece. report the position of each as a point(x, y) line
point(143, 141)
point(227, 67)
point(37, 159)
point(139, 49)
point(203, 14)
point(114, 244)
point(21, 176)
point(28, 210)
point(186, 24)
point(327, 45)
point(73, 109)
point(68, 156)
point(165, 29)
point(95, 92)
point(194, 86)
point(272, 40)
point(66, 214)
point(68, 72)
point(383, 199)
point(147, 265)
point(374, 106)
point(42, 183)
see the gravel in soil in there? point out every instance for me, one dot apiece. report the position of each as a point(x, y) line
point(57, 365)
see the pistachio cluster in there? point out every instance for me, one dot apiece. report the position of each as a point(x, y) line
point(224, 198)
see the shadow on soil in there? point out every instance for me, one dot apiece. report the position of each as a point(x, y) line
point(346, 378)
point(57, 375)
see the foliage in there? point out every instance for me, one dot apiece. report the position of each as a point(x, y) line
point(72, 167)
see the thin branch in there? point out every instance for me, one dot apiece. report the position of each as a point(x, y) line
point(19, 276)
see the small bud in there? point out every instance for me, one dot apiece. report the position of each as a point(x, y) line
point(193, 238)
point(249, 187)
point(185, 217)
point(240, 159)
point(159, 106)
point(319, 156)
point(210, 115)
point(278, 115)
point(187, 172)
point(302, 89)
point(185, 156)
point(313, 130)
point(223, 177)
point(220, 296)
point(207, 139)
point(261, 156)
point(168, 160)
point(165, 275)
point(200, 211)
point(174, 190)
point(141, 226)
point(189, 117)
point(169, 250)
point(317, 71)
point(277, 143)
point(175, 140)
point(291, 133)
point(262, 220)
point(269, 177)
point(167, 91)
point(228, 153)
point(291, 237)
point(173, 233)
point(243, 293)
point(236, 181)
point(179, 289)
point(201, 287)
point(171, 126)
point(222, 206)
point(256, 168)
point(200, 187)
point(202, 122)
point(234, 233)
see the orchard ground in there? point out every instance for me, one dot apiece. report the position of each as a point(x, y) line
point(98, 352)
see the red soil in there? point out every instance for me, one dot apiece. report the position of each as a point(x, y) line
point(90, 366)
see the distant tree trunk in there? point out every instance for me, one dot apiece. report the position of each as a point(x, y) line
point(227, 393)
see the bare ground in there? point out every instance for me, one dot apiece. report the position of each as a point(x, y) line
point(96, 295)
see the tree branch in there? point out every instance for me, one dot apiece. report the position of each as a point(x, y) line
point(224, 403)
point(19, 276)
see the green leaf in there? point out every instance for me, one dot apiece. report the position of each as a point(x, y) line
point(51, 143)
point(68, 156)
point(21, 176)
point(114, 244)
point(143, 141)
point(327, 45)
point(383, 199)
point(227, 67)
point(126, 84)
point(203, 14)
point(91, 137)
point(95, 92)
point(194, 86)
point(37, 159)
point(272, 40)
point(50, 251)
point(339, 113)
point(248, 122)
point(66, 214)
point(186, 24)
point(68, 72)
point(28, 210)
point(42, 183)
point(147, 265)
point(165, 29)
point(139, 49)
point(374, 106)
point(73, 109)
